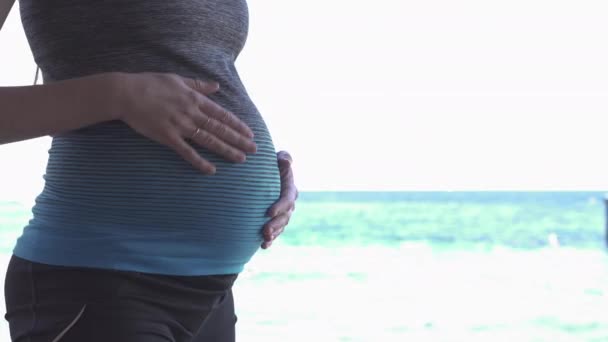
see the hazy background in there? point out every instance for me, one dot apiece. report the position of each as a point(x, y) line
point(413, 95)
point(409, 94)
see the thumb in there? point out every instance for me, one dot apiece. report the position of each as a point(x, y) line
point(284, 157)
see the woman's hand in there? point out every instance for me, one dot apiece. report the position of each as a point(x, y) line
point(168, 108)
point(282, 209)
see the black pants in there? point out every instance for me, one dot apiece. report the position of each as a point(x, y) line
point(46, 303)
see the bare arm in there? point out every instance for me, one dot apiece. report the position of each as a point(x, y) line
point(5, 8)
point(32, 111)
point(161, 106)
point(164, 107)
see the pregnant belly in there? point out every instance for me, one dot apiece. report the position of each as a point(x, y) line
point(107, 180)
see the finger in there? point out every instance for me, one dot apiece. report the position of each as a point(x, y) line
point(289, 192)
point(286, 201)
point(266, 244)
point(216, 145)
point(275, 234)
point(285, 161)
point(213, 109)
point(281, 206)
point(224, 116)
point(203, 87)
point(190, 155)
point(288, 197)
point(284, 156)
point(226, 133)
point(269, 229)
point(189, 131)
point(278, 232)
point(287, 181)
point(275, 226)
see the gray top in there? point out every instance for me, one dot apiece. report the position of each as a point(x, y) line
point(116, 199)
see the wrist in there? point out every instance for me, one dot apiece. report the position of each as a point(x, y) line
point(111, 87)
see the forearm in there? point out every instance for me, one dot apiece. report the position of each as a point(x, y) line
point(28, 112)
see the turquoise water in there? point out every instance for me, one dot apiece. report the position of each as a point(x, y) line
point(422, 266)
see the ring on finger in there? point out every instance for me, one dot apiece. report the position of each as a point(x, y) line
point(198, 130)
point(206, 124)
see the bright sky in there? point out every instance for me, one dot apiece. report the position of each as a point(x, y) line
point(409, 95)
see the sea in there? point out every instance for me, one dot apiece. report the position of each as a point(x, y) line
point(420, 266)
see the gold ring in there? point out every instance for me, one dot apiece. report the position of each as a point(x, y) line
point(195, 133)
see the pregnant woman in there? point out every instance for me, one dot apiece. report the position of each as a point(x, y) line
point(162, 179)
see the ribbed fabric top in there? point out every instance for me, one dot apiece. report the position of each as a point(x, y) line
point(116, 199)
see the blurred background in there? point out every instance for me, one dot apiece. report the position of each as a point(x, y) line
point(450, 159)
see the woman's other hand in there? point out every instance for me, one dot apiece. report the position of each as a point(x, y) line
point(282, 209)
point(168, 108)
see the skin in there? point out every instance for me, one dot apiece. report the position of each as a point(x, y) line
point(230, 137)
point(27, 111)
point(282, 209)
